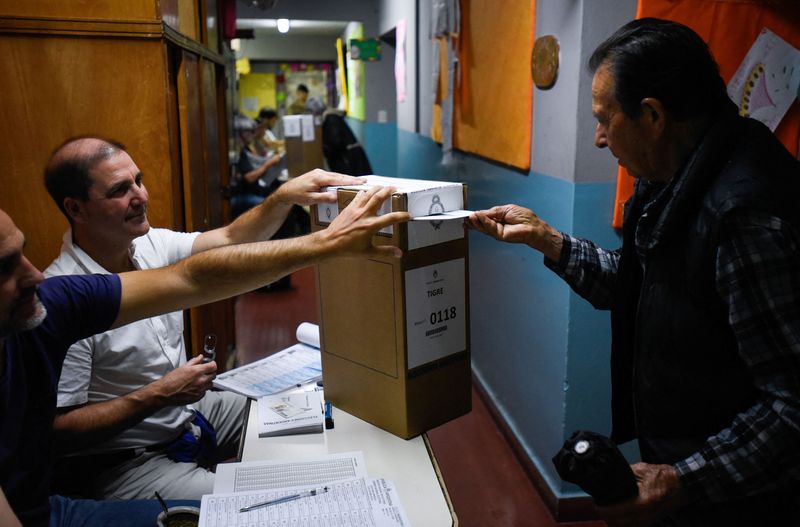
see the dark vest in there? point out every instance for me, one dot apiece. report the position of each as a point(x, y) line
point(676, 372)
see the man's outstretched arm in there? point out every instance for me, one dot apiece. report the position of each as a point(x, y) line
point(227, 271)
point(263, 221)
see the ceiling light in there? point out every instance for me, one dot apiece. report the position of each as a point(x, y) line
point(283, 25)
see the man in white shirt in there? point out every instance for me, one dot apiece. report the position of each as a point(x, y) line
point(132, 410)
point(269, 118)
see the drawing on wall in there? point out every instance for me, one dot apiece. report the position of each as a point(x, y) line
point(767, 81)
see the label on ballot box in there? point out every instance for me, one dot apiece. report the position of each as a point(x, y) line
point(435, 311)
point(424, 198)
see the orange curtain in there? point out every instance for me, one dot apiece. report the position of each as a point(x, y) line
point(492, 114)
point(729, 27)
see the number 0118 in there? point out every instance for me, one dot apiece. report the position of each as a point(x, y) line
point(443, 315)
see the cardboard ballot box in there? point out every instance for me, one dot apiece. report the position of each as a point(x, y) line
point(394, 332)
point(303, 140)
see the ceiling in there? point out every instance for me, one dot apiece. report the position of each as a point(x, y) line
point(332, 28)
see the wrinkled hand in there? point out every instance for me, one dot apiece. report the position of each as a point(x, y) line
point(515, 224)
point(307, 189)
point(660, 492)
point(189, 383)
point(350, 233)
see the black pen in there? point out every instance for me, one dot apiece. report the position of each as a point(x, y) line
point(284, 499)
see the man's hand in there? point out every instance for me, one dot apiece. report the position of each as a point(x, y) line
point(263, 221)
point(660, 492)
point(307, 189)
point(187, 384)
point(515, 224)
point(350, 233)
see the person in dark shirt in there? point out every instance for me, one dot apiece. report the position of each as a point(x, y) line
point(40, 319)
point(257, 169)
point(703, 293)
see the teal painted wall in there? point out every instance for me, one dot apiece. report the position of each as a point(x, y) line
point(539, 349)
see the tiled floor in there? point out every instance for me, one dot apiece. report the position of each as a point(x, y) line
point(487, 486)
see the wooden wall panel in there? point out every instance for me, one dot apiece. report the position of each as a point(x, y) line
point(190, 109)
point(86, 9)
point(57, 87)
point(198, 109)
point(182, 16)
point(211, 25)
point(110, 68)
point(215, 163)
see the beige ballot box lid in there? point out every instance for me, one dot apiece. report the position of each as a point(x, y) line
point(394, 332)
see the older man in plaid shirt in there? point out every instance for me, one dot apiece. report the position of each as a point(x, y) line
point(703, 293)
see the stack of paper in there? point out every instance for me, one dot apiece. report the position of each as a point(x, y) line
point(351, 499)
point(286, 369)
point(291, 413)
point(354, 503)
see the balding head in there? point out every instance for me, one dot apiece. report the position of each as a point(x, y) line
point(67, 172)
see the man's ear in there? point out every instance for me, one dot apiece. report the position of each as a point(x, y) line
point(653, 114)
point(74, 209)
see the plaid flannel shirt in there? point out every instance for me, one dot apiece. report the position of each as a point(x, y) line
point(758, 278)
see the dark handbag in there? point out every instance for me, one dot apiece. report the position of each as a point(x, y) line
point(594, 463)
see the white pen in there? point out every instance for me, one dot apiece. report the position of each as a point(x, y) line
point(284, 499)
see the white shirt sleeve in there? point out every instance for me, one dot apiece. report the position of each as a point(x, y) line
point(166, 245)
point(73, 386)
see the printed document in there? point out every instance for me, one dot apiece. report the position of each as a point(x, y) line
point(355, 502)
point(292, 412)
point(250, 476)
point(286, 369)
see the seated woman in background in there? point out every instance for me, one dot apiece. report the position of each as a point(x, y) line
point(269, 118)
point(257, 176)
point(256, 170)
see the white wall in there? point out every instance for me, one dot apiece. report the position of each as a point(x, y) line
point(599, 21)
point(390, 12)
point(292, 48)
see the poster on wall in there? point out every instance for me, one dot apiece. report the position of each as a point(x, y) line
point(368, 49)
point(400, 60)
point(256, 91)
point(313, 77)
point(766, 83)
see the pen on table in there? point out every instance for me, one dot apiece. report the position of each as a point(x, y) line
point(284, 499)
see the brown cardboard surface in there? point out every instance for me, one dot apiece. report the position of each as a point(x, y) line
point(363, 339)
point(304, 156)
point(376, 347)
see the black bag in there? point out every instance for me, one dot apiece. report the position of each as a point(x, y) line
point(341, 148)
point(594, 463)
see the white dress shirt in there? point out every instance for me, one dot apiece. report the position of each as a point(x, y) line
point(122, 360)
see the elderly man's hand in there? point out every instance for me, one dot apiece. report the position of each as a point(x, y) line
point(351, 232)
point(307, 189)
point(515, 224)
point(660, 492)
